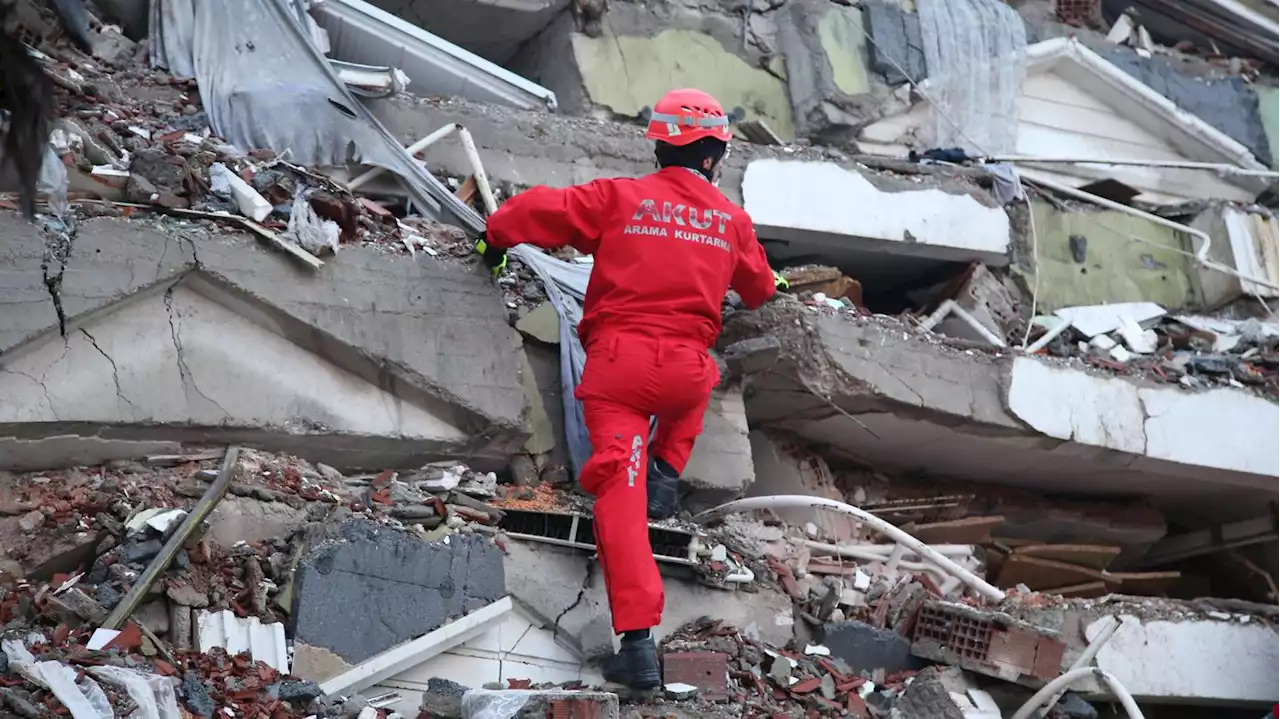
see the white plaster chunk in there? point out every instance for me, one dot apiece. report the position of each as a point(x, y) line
point(1191, 660)
point(1223, 428)
point(1076, 406)
point(824, 197)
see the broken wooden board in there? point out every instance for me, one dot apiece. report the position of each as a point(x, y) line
point(1142, 583)
point(467, 191)
point(1040, 574)
point(1015, 542)
point(970, 530)
point(930, 509)
point(823, 565)
point(758, 132)
point(1088, 590)
point(173, 460)
point(1093, 556)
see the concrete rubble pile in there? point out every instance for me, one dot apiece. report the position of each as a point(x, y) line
point(135, 138)
point(78, 542)
point(1192, 351)
point(228, 582)
point(869, 630)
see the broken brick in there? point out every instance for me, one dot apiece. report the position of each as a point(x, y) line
point(708, 671)
point(857, 707)
point(806, 685)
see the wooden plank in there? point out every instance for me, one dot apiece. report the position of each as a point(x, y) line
point(1040, 574)
point(270, 236)
point(194, 518)
point(1143, 583)
point(759, 132)
point(1219, 538)
point(970, 530)
point(1093, 556)
point(467, 190)
point(1015, 542)
point(274, 238)
point(1088, 590)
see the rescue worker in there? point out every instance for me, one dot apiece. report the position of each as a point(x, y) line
point(667, 247)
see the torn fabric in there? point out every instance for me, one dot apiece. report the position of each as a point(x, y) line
point(264, 84)
point(566, 286)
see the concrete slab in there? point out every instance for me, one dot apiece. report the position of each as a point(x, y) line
point(965, 414)
point(520, 149)
point(823, 204)
point(566, 589)
point(169, 333)
point(720, 467)
point(483, 703)
point(1171, 652)
point(1218, 661)
point(405, 587)
point(492, 29)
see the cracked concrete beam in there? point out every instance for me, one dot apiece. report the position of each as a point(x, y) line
point(410, 332)
point(997, 416)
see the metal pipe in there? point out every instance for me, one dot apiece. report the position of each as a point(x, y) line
point(1066, 680)
point(1201, 251)
point(1084, 659)
point(413, 149)
point(477, 169)
point(1175, 164)
point(926, 552)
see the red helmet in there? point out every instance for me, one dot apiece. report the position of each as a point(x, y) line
point(685, 116)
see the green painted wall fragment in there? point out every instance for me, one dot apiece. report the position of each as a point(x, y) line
point(625, 73)
point(840, 32)
point(1127, 259)
point(1269, 109)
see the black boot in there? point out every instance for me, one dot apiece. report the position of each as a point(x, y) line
point(663, 489)
point(635, 665)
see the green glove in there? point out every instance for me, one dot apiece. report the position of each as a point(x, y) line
point(780, 282)
point(494, 258)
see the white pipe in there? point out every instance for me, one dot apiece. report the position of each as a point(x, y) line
point(949, 586)
point(1066, 680)
point(1176, 164)
point(477, 169)
point(951, 307)
point(1047, 337)
point(897, 535)
point(945, 581)
point(879, 552)
point(1085, 658)
point(1202, 250)
point(412, 150)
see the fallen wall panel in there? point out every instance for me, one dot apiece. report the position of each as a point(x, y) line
point(360, 32)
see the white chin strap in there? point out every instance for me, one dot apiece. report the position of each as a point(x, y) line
point(728, 148)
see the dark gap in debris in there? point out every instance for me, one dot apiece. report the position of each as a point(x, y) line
point(562, 527)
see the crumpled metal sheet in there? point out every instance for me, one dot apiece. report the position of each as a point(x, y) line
point(265, 85)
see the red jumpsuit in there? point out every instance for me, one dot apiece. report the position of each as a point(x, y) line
point(667, 247)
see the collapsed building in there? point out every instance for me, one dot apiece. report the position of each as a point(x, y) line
point(272, 444)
